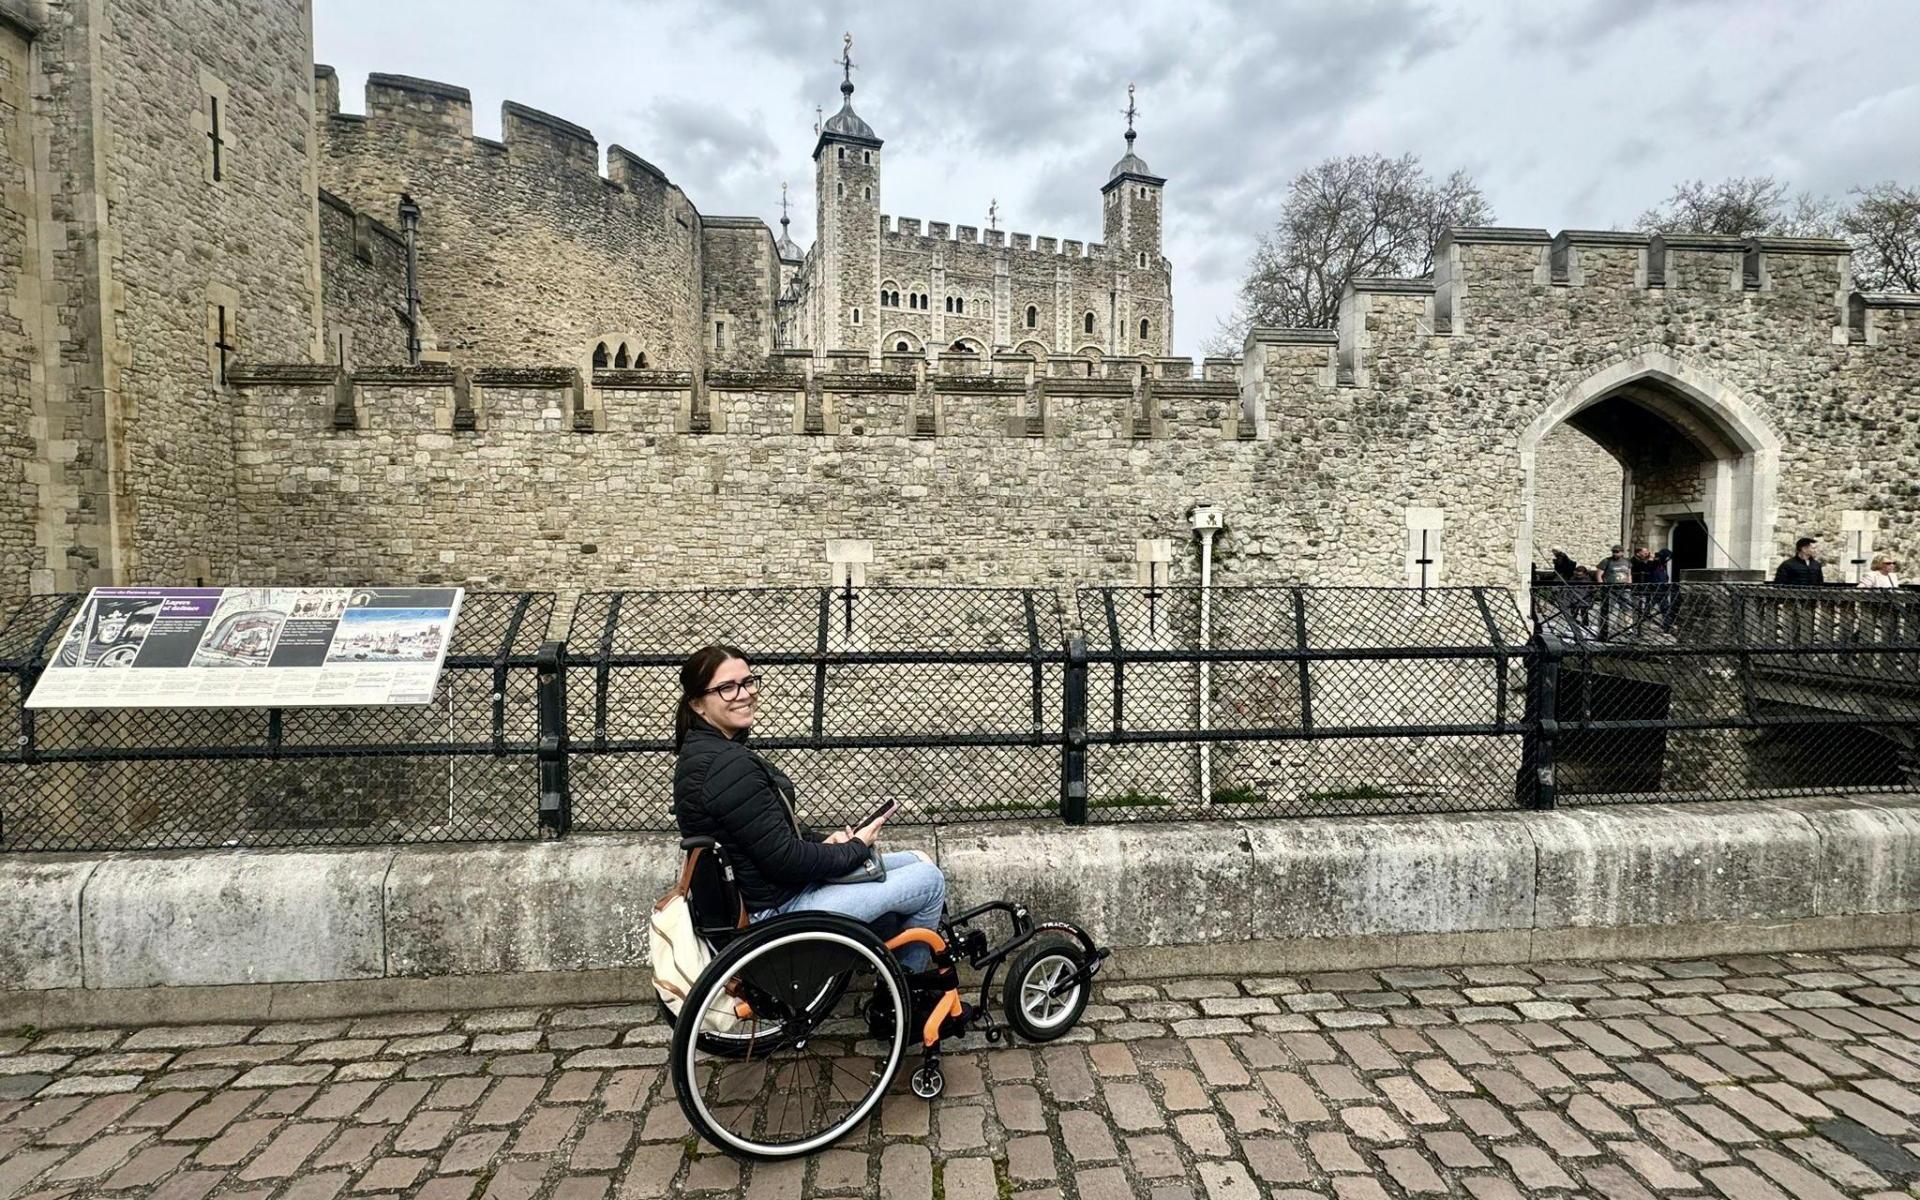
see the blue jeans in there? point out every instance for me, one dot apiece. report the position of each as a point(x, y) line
point(913, 894)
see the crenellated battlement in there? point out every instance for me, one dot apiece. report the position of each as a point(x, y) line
point(443, 113)
point(899, 231)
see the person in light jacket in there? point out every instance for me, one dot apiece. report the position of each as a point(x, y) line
point(1883, 572)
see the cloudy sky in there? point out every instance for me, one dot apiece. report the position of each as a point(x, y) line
point(1575, 114)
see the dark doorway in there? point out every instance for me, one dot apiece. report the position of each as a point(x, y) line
point(1689, 542)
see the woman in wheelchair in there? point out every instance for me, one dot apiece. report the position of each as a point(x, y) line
point(723, 790)
point(798, 1025)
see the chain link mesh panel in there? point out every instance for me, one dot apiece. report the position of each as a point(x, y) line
point(1301, 701)
point(456, 769)
point(1714, 690)
point(945, 699)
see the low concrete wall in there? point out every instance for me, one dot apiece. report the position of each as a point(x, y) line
point(288, 934)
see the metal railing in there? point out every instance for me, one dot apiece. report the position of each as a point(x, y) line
point(987, 704)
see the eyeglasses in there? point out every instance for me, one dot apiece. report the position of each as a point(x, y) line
point(730, 690)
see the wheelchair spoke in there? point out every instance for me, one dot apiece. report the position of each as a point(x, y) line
point(821, 1066)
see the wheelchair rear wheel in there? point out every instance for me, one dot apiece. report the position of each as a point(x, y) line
point(828, 995)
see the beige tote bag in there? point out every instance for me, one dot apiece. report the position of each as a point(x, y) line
point(680, 954)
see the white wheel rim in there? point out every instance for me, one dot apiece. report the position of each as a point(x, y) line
point(859, 1114)
point(1037, 1002)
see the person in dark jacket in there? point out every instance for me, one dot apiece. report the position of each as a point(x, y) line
point(1803, 569)
point(723, 790)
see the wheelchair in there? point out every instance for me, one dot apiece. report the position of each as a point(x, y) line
point(799, 1025)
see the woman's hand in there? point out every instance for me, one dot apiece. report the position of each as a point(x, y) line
point(871, 833)
point(839, 837)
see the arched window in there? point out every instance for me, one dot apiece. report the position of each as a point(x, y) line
point(640, 360)
point(1143, 258)
point(843, 154)
point(856, 316)
point(1033, 316)
point(959, 304)
point(839, 189)
point(866, 156)
point(600, 357)
point(1089, 322)
point(620, 359)
point(902, 347)
point(866, 193)
point(1143, 329)
point(1143, 191)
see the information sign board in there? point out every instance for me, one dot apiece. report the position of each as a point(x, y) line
point(158, 647)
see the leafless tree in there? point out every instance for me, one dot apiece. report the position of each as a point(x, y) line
point(1742, 206)
point(1883, 223)
point(1346, 218)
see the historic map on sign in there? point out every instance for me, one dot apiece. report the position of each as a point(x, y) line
point(251, 647)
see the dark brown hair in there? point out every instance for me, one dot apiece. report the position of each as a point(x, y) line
point(695, 674)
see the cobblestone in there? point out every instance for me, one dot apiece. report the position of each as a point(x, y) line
point(1599, 1090)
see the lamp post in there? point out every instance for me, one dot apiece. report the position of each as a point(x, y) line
point(410, 226)
point(1206, 520)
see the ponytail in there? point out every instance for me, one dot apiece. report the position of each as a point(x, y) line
point(695, 674)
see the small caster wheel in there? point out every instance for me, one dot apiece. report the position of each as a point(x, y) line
point(928, 1082)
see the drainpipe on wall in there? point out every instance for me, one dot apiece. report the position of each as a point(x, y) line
point(410, 225)
point(1207, 520)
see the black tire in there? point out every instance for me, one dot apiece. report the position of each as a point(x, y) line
point(1044, 963)
point(830, 1044)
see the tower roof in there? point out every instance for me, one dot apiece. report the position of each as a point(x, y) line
point(785, 247)
point(1131, 165)
point(846, 125)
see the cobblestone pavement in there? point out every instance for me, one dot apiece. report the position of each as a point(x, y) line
point(1752, 1078)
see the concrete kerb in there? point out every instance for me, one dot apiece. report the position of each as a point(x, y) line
point(266, 934)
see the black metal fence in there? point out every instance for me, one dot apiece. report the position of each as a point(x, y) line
point(1704, 690)
point(463, 767)
point(1124, 704)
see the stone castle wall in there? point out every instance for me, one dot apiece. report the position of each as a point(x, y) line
point(1577, 487)
point(523, 500)
point(19, 236)
point(742, 273)
point(998, 277)
point(184, 245)
point(365, 286)
point(1320, 492)
point(126, 253)
point(527, 254)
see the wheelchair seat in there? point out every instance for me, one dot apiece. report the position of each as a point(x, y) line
point(719, 912)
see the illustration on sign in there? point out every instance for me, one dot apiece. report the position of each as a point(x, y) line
point(252, 647)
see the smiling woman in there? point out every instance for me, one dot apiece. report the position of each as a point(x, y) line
point(723, 790)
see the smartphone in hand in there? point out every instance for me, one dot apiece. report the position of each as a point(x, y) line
point(885, 810)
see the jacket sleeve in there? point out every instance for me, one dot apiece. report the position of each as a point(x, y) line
point(1780, 572)
point(753, 819)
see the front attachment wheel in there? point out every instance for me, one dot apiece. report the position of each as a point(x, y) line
point(817, 986)
point(1046, 990)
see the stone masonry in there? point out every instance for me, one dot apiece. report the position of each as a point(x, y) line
point(1788, 1077)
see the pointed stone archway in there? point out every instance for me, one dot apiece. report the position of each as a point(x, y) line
point(1680, 433)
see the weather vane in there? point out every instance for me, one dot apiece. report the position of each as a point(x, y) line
point(846, 55)
point(1131, 112)
point(993, 213)
point(816, 119)
point(783, 204)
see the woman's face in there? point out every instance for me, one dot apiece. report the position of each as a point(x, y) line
point(731, 699)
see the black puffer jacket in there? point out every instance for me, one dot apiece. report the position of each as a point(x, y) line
point(723, 790)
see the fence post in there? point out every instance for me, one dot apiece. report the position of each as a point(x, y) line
point(1543, 702)
point(556, 798)
point(1073, 750)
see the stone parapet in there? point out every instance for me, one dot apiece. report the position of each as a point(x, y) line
point(231, 933)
